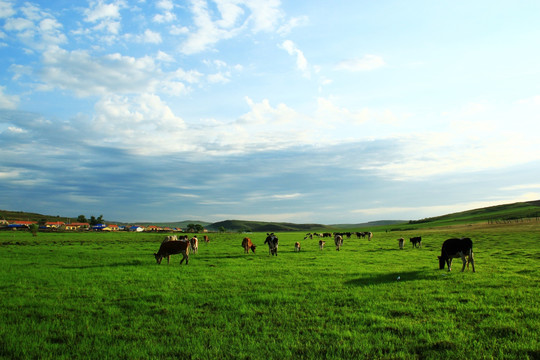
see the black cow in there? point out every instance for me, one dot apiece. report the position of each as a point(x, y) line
point(416, 241)
point(453, 248)
point(169, 248)
point(272, 241)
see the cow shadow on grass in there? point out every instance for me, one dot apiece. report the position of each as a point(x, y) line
point(105, 265)
point(395, 277)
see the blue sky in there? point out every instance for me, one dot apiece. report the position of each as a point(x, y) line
point(297, 111)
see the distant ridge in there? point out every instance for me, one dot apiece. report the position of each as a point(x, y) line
point(261, 226)
point(504, 212)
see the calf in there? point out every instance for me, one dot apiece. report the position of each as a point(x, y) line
point(247, 244)
point(401, 241)
point(416, 241)
point(321, 244)
point(206, 239)
point(297, 246)
point(169, 248)
point(272, 241)
point(453, 248)
point(338, 240)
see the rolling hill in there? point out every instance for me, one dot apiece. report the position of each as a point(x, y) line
point(499, 213)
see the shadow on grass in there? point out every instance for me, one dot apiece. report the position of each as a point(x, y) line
point(105, 265)
point(396, 277)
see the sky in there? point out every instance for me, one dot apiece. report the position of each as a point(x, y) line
point(296, 111)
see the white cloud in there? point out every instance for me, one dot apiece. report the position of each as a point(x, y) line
point(167, 16)
point(367, 63)
point(141, 124)
point(521, 187)
point(99, 10)
point(265, 15)
point(80, 72)
point(6, 9)
point(8, 102)
point(301, 62)
point(219, 78)
point(149, 37)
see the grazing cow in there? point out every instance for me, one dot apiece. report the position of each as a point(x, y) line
point(369, 235)
point(321, 244)
point(206, 239)
point(169, 248)
point(194, 244)
point(401, 242)
point(416, 241)
point(272, 242)
point(453, 248)
point(247, 244)
point(338, 240)
point(297, 246)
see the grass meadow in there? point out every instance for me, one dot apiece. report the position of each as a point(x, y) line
point(102, 296)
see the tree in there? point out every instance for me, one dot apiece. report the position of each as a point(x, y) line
point(34, 229)
point(82, 219)
point(195, 228)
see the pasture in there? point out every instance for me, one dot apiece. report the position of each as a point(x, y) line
point(102, 295)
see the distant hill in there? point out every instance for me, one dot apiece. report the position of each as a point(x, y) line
point(261, 226)
point(499, 213)
point(368, 224)
point(178, 224)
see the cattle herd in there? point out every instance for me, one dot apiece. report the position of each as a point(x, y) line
point(451, 248)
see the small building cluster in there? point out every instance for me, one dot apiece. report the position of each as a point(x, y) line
point(76, 226)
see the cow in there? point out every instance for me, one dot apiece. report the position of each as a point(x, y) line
point(206, 239)
point(297, 246)
point(453, 248)
point(321, 244)
point(170, 238)
point(338, 240)
point(194, 244)
point(247, 244)
point(369, 235)
point(401, 242)
point(169, 248)
point(416, 241)
point(272, 241)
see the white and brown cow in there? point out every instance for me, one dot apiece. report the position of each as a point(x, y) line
point(194, 244)
point(170, 238)
point(454, 248)
point(321, 244)
point(338, 240)
point(169, 248)
point(297, 246)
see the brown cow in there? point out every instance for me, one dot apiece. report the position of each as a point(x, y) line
point(247, 244)
point(297, 246)
point(321, 244)
point(206, 239)
point(401, 242)
point(169, 248)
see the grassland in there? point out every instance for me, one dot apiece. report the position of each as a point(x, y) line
point(102, 296)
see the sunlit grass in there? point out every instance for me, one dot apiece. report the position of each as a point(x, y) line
point(102, 296)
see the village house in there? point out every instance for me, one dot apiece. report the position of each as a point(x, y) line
point(78, 226)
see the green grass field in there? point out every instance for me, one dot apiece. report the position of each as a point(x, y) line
point(102, 296)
